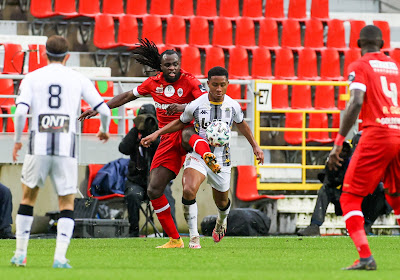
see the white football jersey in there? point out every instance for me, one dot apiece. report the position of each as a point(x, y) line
point(53, 94)
point(203, 112)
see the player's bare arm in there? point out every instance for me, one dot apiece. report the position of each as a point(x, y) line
point(246, 131)
point(115, 102)
point(175, 108)
point(173, 126)
point(17, 147)
point(349, 118)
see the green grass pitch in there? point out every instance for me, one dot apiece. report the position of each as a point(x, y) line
point(232, 258)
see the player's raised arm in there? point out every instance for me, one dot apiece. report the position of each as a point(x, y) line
point(246, 131)
point(173, 126)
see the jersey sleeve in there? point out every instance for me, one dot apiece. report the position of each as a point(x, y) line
point(25, 93)
point(198, 88)
point(187, 115)
point(143, 89)
point(357, 76)
point(90, 94)
point(237, 115)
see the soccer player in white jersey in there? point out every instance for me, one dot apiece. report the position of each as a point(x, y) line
point(212, 106)
point(52, 95)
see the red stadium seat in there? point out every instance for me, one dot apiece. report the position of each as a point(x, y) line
point(176, 31)
point(330, 65)
point(199, 32)
point(324, 98)
point(9, 121)
point(301, 97)
point(183, 8)
point(293, 120)
point(160, 7)
point(222, 35)
point(152, 29)
point(318, 120)
point(113, 7)
point(245, 34)
point(136, 7)
point(37, 57)
point(291, 34)
point(13, 59)
point(128, 31)
point(350, 55)
point(207, 8)
point(336, 35)
point(104, 33)
point(280, 97)
point(235, 92)
point(238, 63)
point(385, 28)
point(261, 64)
point(274, 9)
point(395, 54)
point(284, 64)
point(65, 8)
point(314, 34)
point(89, 8)
point(335, 124)
point(92, 125)
point(6, 88)
point(268, 36)
point(320, 9)
point(229, 9)
point(252, 9)
point(191, 60)
point(355, 28)
point(307, 65)
point(42, 9)
point(297, 9)
point(214, 57)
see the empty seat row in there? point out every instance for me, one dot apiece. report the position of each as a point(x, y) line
point(204, 8)
point(14, 58)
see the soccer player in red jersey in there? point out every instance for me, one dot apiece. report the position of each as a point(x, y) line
point(374, 81)
point(171, 90)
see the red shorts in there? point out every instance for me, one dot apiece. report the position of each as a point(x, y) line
point(376, 158)
point(170, 153)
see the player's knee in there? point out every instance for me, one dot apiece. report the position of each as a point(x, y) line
point(188, 193)
point(153, 192)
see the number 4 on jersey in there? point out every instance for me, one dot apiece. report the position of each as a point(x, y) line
point(392, 92)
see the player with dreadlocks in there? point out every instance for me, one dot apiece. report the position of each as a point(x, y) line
point(171, 90)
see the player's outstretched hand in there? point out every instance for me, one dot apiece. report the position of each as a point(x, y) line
point(146, 141)
point(175, 108)
point(87, 114)
point(17, 147)
point(259, 154)
point(103, 136)
point(334, 160)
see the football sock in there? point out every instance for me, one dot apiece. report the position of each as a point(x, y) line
point(65, 228)
point(223, 213)
point(23, 223)
point(199, 145)
point(354, 218)
point(163, 211)
point(394, 202)
point(190, 213)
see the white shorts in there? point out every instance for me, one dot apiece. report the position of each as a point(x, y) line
point(63, 172)
point(221, 181)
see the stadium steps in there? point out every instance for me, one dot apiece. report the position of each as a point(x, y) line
point(295, 211)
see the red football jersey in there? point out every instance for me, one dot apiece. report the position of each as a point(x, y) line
point(378, 76)
point(184, 90)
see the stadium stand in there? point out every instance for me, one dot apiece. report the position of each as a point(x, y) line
point(291, 34)
point(252, 9)
point(245, 33)
point(307, 65)
point(183, 8)
point(160, 7)
point(223, 33)
point(268, 34)
point(336, 35)
point(207, 8)
point(284, 64)
point(274, 9)
point(176, 31)
point(261, 64)
point(191, 60)
point(136, 7)
point(114, 8)
point(297, 9)
point(314, 34)
point(355, 27)
point(199, 32)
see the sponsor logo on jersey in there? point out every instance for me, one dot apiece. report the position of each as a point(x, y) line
point(386, 67)
point(169, 91)
point(160, 89)
point(202, 88)
point(164, 106)
point(204, 124)
point(203, 112)
point(53, 123)
point(352, 76)
point(180, 92)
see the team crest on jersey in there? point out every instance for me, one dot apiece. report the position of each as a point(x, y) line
point(352, 76)
point(53, 123)
point(169, 91)
point(202, 88)
point(180, 92)
point(160, 89)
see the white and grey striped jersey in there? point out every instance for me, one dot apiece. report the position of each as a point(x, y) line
point(203, 112)
point(53, 94)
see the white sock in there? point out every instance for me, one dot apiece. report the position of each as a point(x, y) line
point(23, 225)
point(190, 213)
point(223, 215)
point(65, 228)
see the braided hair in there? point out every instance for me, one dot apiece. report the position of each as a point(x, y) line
point(148, 54)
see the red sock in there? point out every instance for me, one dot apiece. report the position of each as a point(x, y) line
point(163, 211)
point(394, 202)
point(199, 145)
point(351, 206)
